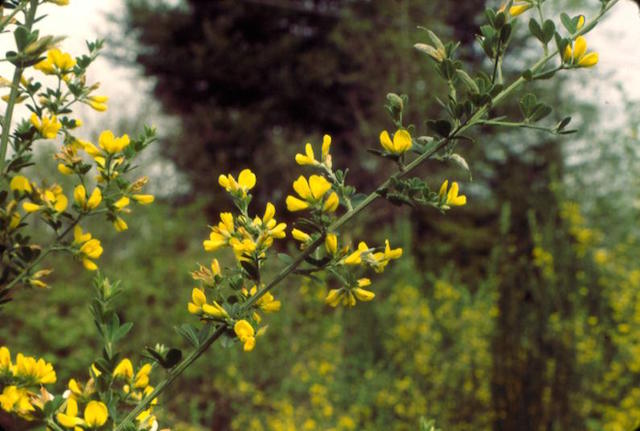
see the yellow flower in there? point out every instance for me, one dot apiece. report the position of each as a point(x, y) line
point(20, 184)
point(246, 334)
point(380, 260)
point(59, 2)
point(301, 236)
point(14, 399)
point(519, 8)
point(578, 56)
point(355, 258)
point(308, 158)
point(348, 295)
point(70, 419)
point(267, 302)
point(119, 224)
point(198, 299)
point(99, 103)
point(143, 199)
point(451, 198)
point(80, 197)
point(111, 144)
point(95, 414)
point(331, 243)
point(142, 377)
point(401, 141)
point(311, 192)
point(31, 207)
point(64, 169)
point(90, 248)
point(331, 204)
point(246, 181)
point(124, 369)
point(47, 126)
point(580, 22)
point(220, 234)
point(56, 61)
point(363, 294)
point(37, 371)
point(5, 360)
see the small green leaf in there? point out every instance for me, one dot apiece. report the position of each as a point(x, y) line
point(536, 30)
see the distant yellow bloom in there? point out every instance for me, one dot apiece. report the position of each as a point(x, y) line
point(112, 144)
point(451, 198)
point(246, 334)
point(59, 2)
point(401, 141)
point(95, 414)
point(48, 126)
point(578, 56)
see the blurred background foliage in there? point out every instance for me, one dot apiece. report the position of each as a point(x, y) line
point(520, 311)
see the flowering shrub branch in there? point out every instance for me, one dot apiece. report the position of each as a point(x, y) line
point(230, 302)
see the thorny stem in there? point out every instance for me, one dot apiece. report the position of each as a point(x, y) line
point(475, 119)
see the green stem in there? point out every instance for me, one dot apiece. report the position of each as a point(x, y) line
point(51, 423)
point(28, 268)
point(13, 95)
point(475, 119)
point(512, 124)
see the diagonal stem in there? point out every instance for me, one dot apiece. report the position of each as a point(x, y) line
point(475, 119)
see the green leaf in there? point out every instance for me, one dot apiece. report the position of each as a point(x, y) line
point(536, 30)
point(548, 30)
point(527, 104)
point(568, 23)
point(188, 333)
point(540, 111)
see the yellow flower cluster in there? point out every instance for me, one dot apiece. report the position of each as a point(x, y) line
point(248, 238)
point(363, 255)
point(47, 126)
point(56, 63)
point(27, 372)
